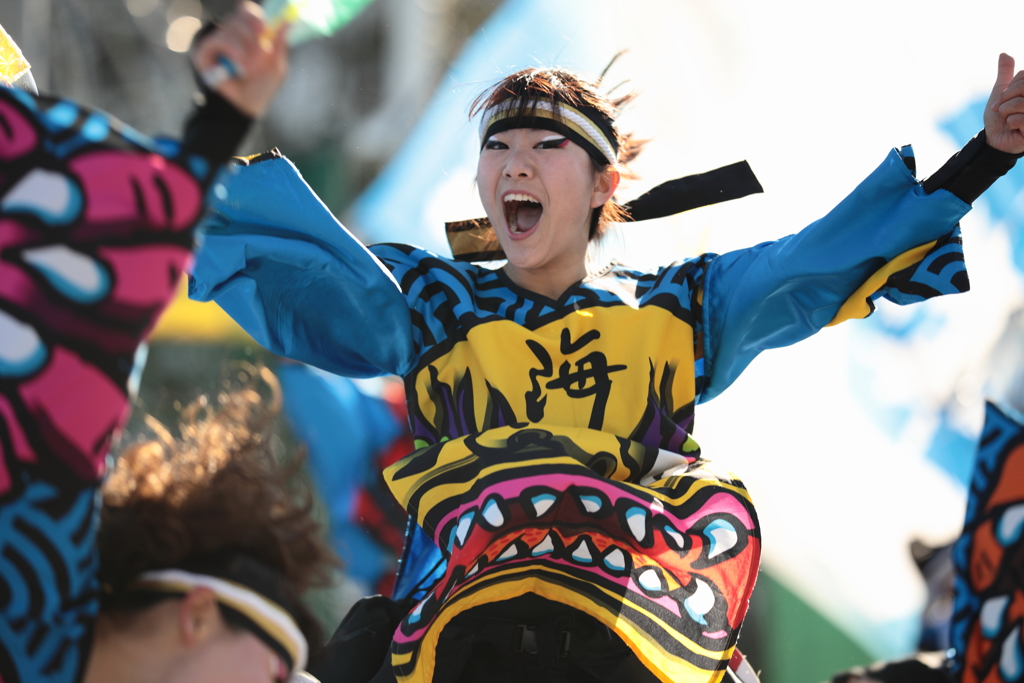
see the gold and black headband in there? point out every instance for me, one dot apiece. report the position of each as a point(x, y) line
point(475, 240)
point(587, 127)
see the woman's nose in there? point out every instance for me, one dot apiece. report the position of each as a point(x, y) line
point(518, 166)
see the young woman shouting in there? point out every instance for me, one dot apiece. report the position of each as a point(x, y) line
point(581, 533)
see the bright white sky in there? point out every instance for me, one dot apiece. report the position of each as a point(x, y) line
point(813, 94)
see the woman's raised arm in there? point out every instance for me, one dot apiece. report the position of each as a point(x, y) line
point(272, 255)
point(95, 228)
point(892, 236)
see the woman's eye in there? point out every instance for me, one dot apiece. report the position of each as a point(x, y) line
point(494, 144)
point(553, 143)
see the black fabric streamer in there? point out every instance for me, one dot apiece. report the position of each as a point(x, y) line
point(474, 240)
point(694, 191)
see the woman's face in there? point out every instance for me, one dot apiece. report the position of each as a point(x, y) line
point(539, 189)
point(224, 653)
point(232, 655)
point(181, 640)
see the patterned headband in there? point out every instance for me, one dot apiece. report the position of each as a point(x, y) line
point(587, 127)
point(268, 620)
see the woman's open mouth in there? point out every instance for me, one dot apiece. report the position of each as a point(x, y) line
point(522, 212)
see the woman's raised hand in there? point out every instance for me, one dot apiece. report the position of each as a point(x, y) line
point(254, 56)
point(1004, 113)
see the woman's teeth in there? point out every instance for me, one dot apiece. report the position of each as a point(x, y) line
point(522, 212)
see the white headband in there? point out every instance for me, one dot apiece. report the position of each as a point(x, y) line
point(543, 109)
point(267, 615)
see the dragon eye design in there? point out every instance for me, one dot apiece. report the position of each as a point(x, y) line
point(722, 536)
point(79, 277)
point(22, 352)
point(636, 520)
point(62, 114)
point(542, 503)
point(991, 616)
point(462, 530)
point(700, 603)
point(492, 512)
point(50, 196)
point(545, 547)
point(582, 553)
point(1011, 523)
point(615, 560)
point(649, 580)
point(1011, 660)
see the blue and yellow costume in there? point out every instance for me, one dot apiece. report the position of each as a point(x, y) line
point(555, 450)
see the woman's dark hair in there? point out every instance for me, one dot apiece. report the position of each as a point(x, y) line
point(214, 501)
point(553, 85)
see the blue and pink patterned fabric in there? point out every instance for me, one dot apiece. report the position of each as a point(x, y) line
point(988, 617)
point(95, 229)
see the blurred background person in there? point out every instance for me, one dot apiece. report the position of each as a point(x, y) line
point(353, 430)
point(180, 580)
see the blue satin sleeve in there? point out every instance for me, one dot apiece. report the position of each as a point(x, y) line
point(275, 258)
point(778, 293)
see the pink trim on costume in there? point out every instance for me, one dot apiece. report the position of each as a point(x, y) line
point(5, 475)
point(22, 138)
point(400, 637)
point(14, 234)
point(721, 502)
point(511, 490)
point(77, 408)
point(110, 179)
point(22, 449)
point(665, 601)
point(22, 291)
point(142, 274)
